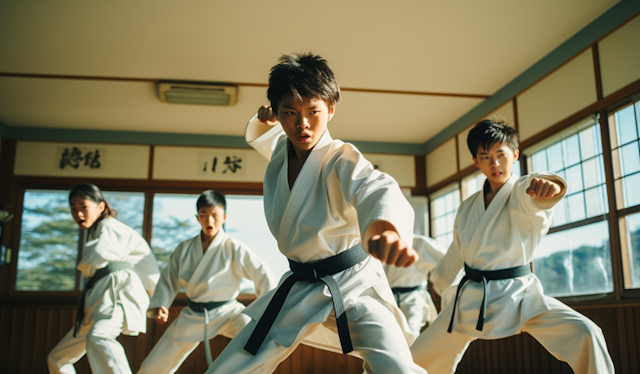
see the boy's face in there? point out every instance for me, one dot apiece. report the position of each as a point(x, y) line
point(304, 121)
point(496, 162)
point(211, 219)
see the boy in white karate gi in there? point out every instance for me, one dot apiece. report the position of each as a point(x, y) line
point(409, 284)
point(496, 234)
point(210, 267)
point(328, 209)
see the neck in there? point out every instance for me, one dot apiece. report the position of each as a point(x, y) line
point(300, 155)
point(206, 240)
point(496, 186)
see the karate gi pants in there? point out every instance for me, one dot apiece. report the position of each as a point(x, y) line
point(566, 334)
point(98, 341)
point(419, 309)
point(379, 341)
point(167, 355)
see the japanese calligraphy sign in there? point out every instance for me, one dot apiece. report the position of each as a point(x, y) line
point(74, 157)
point(224, 162)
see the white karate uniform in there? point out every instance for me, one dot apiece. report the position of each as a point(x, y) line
point(116, 304)
point(214, 275)
point(505, 235)
point(416, 305)
point(335, 196)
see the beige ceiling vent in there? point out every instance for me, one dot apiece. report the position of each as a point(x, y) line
point(197, 93)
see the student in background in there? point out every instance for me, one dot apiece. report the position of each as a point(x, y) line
point(496, 234)
point(210, 267)
point(121, 270)
point(409, 285)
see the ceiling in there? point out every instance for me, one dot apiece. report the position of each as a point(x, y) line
point(408, 69)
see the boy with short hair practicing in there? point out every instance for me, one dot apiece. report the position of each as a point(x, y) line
point(409, 284)
point(496, 234)
point(210, 267)
point(329, 210)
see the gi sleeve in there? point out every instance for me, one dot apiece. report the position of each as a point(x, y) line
point(169, 283)
point(261, 137)
point(430, 252)
point(250, 266)
point(375, 195)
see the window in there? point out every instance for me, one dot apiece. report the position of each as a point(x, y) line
point(48, 252)
point(444, 206)
point(174, 221)
point(624, 125)
point(48, 243)
point(575, 258)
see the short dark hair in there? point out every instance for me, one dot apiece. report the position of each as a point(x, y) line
point(211, 198)
point(488, 132)
point(91, 192)
point(302, 75)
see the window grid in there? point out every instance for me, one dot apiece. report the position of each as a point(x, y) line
point(444, 209)
point(625, 148)
point(588, 198)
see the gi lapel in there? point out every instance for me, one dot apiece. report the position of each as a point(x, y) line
point(308, 176)
point(489, 217)
point(204, 260)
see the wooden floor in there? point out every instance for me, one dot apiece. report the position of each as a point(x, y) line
point(28, 332)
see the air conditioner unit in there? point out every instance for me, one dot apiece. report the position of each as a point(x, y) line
point(197, 93)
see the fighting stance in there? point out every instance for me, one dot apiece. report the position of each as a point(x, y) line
point(121, 269)
point(496, 234)
point(328, 209)
point(409, 284)
point(210, 267)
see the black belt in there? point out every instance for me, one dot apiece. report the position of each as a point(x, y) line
point(397, 291)
point(205, 308)
point(483, 276)
point(320, 271)
point(99, 274)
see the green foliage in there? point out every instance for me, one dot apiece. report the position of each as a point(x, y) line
point(167, 234)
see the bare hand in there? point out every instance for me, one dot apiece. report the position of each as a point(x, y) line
point(390, 249)
point(266, 116)
point(162, 315)
point(543, 189)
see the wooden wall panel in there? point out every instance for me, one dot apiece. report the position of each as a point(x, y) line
point(28, 333)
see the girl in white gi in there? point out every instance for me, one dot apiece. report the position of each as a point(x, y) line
point(120, 266)
point(324, 203)
point(210, 267)
point(409, 284)
point(496, 234)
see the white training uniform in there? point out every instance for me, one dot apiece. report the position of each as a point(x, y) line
point(336, 195)
point(503, 236)
point(214, 275)
point(116, 304)
point(416, 305)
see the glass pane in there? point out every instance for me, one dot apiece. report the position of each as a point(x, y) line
point(632, 267)
point(596, 201)
point(590, 173)
point(173, 222)
point(440, 225)
point(575, 203)
point(540, 161)
point(589, 142)
point(438, 207)
point(574, 179)
point(571, 148)
point(626, 125)
point(555, 158)
point(48, 243)
point(576, 262)
point(130, 207)
point(247, 223)
point(630, 158)
point(631, 190)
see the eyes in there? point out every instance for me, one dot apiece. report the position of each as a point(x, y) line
point(292, 113)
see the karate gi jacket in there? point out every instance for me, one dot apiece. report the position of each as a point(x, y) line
point(113, 241)
point(335, 197)
point(504, 235)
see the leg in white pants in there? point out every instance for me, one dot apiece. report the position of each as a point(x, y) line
point(380, 342)
point(571, 337)
point(438, 351)
point(167, 355)
point(98, 340)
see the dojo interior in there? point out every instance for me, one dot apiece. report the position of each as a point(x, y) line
point(80, 100)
